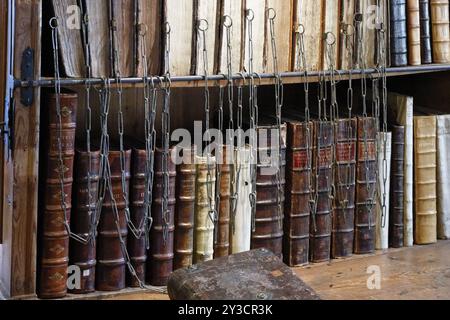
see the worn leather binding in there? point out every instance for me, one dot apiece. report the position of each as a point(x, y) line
point(253, 275)
point(185, 207)
point(425, 32)
point(398, 33)
point(425, 138)
point(160, 264)
point(414, 51)
point(321, 218)
point(396, 210)
point(440, 30)
point(54, 239)
point(87, 167)
point(111, 261)
point(222, 245)
point(345, 181)
point(443, 172)
point(268, 231)
point(366, 184)
point(298, 194)
point(204, 225)
point(137, 245)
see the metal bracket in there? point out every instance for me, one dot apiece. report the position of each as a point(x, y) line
point(27, 74)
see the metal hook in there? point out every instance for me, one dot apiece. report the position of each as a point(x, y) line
point(168, 28)
point(227, 18)
point(199, 25)
point(143, 29)
point(259, 78)
point(346, 27)
point(54, 22)
point(243, 78)
point(330, 38)
point(250, 15)
point(271, 11)
point(300, 29)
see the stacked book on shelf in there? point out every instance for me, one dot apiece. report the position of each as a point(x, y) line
point(416, 32)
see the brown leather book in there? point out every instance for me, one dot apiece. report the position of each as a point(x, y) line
point(136, 243)
point(321, 222)
point(298, 194)
point(396, 225)
point(85, 196)
point(54, 239)
point(185, 207)
point(366, 185)
point(345, 181)
point(252, 275)
point(414, 51)
point(425, 157)
point(161, 254)
point(223, 185)
point(440, 30)
point(111, 260)
point(270, 196)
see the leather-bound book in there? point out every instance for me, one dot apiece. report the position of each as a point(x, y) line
point(241, 224)
point(298, 193)
point(253, 275)
point(414, 51)
point(258, 26)
point(425, 147)
point(136, 243)
point(85, 195)
point(321, 217)
point(331, 24)
point(398, 33)
point(54, 239)
point(396, 207)
point(270, 185)
point(204, 205)
point(161, 254)
point(346, 42)
point(98, 35)
point(425, 32)
point(443, 177)
point(344, 181)
point(440, 30)
point(111, 260)
point(366, 185)
point(223, 185)
point(384, 187)
point(185, 207)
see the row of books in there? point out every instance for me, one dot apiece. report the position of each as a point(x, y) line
point(416, 32)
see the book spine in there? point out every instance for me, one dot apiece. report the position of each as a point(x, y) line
point(112, 228)
point(321, 219)
point(440, 30)
point(346, 42)
point(414, 49)
point(384, 183)
point(398, 33)
point(366, 177)
point(298, 194)
point(425, 32)
point(161, 254)
point(241, 228)
point(396, 207)
point(185, 207)
point(204, 225)
point(345, 181)
point(425, 132)
point(136, 243)
point(87, 166)
point(223, 185)
point(268, 231)
point(54, 244)
point(443, 123)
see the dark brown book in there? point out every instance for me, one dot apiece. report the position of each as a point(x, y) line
point(321, 222)
point(137, 244)
point(252, 275)
point(113, 228)
point(54, 238)
point(366, 185)
point(85, 195)
point(222, 243)
point(398, 33)
point(298, 193)
point(396, 225)
point(345, 181)
point(270, 184)
point(425, 32)
point(185, 208)
point(161, 254)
